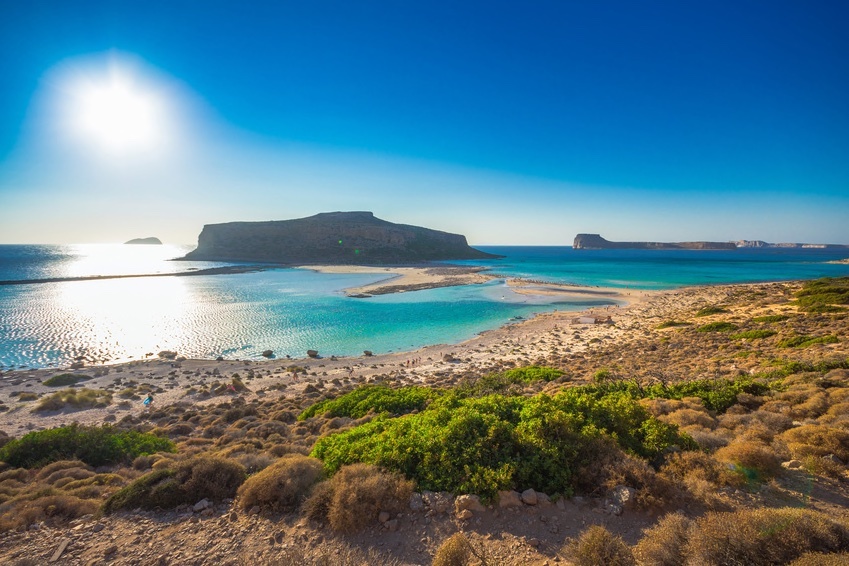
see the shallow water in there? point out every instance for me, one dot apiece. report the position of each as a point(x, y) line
point(292, 310)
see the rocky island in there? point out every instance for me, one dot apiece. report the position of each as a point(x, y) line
point(150, 241)
point(596, 242)
point(339, 238)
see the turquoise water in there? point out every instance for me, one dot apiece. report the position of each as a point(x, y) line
point(291, 310)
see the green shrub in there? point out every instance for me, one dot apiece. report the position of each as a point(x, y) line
point(373, 398)
point(803, 341)
point(65, 379)
point(753, 334)
point(717, 327)
point(824, 295)
point(187, 482)
point(94, 445)
point(596, 546)
point(77, 399)
point(530, 374)
point(707, 311)
point(482, 445)
point(282, 486)
point(671, 324)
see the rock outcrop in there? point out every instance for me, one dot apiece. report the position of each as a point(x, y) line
point(596, 242)
point(151, 241)
point(331, 238)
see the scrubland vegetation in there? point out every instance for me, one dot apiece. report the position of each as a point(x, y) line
point(709, 423)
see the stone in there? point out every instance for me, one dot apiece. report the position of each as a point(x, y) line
point(465, 515)
point(416, 502)
point(543, 499)
point(471, 502)
point(833, 459)
point(509, 499)
point(234, 517)
point(63, 544)
point(368, 353)
point(110, 550)
point(267, 353)
point(561, 504)
point(529, 497)
point(254, 510)
point(623, 496)
point(312, 353)
point(201, 505)
point(98, 527)
point(392, 525)
point(383, 516)
point(792, 464)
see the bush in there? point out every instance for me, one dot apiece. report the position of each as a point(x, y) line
point(597, 545)
point(752, 460)
point(803, 341)
point(753, 334)
point(65, 379)
point(283, 485)
point(823, 295)
point(373, 398)
point(771, 318)
point(717, 327)
point(763, 536)
point(707, 311)
point(817, 440)
point(821, 559)
point(454, 551)
point(671, 324)
point(94, 445)
point(663, 544)
point(187, 482)
point(530, 374)
point(51, 508)
point(77, 399)
point(357, 494)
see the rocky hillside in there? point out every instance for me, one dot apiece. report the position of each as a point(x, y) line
point(331, 237)
point(596, 242)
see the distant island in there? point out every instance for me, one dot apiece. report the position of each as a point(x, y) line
point(330, 238)
point(151, 241)
point(596, 242)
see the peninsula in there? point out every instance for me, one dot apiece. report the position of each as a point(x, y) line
point(339, 238)
point(596, 242)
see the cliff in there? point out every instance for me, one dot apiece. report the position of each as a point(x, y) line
point(330, 237)
point(145, 241)
point(596, 242)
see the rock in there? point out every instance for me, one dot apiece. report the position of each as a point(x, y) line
point(543, 499)
point(77, 365)
point(471, 502)
point(63, 544)
point(438, 502)
point(234, 517)
point(110, 550)
point(367, 353)
point(201, 505)
point(416, 502)
point(392, 525)
point(833, 459)
point(219, 359)
point(561, 504)
point(267, 353)
point(331, 237)
point(167, 354)
point(149, 241)
point(623, 496)
point(383, 516)
point(98, 527)
point(509, 499)
point(596, 242)
point(792, 464)
point(254, 510)
point(312, 353)
point(533, 542)
point(448, 358)
point(465, 515)
point(529, 497)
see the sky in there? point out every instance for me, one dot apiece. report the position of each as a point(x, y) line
point(518, 123)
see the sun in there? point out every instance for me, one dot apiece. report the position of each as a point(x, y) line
point(118, 114)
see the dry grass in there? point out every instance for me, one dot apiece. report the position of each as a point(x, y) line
point(52, 509)
point(663, 544)
point(753, 460)
point(76, 399)
point(817, 440)
point(454, 551)
point(763, 536)
point(821, 559)
point(283, 485)
point(356, 495)
point(596, 546)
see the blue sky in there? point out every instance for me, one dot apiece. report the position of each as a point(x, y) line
point(512, 123)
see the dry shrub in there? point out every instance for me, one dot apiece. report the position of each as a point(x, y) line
point(60, 478)
point(753, 460)
point(51, 509)
point(824, 467)
point(687, 417)
point(837, 414)
point(701, 475)
point(283, 485)
point(659, 407)
point(608, 466)
point(763, 536)
point(18, 474)
point(812, 407)
point(706, 439)
point(357, 494)
point(49, 469)
point(317, 505)
point(817, 440)
point(821, 559)
point(210, 477)
point(663, 544)
point(454, 551)
point(596, 546)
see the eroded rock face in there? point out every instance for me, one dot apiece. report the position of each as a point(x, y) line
point(331, 237)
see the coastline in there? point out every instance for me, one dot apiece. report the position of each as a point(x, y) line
point(537, 340)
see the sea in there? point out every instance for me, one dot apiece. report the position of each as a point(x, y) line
point(288, 310)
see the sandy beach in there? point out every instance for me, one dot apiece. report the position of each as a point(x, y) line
point(537, 340)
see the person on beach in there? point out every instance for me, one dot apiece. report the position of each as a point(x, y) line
point(148, 401)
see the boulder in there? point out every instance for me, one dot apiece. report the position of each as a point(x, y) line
point(470, 502)
point(312, 353)
point(529, 497)
point(509, 499)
